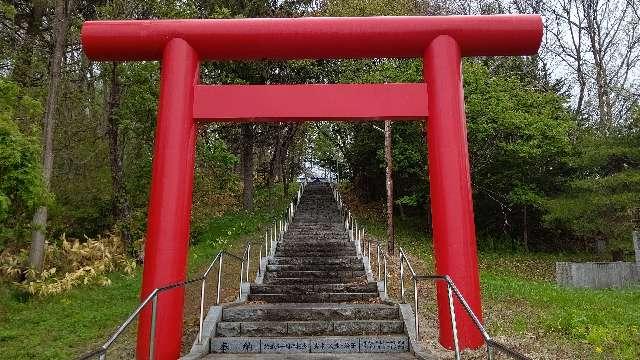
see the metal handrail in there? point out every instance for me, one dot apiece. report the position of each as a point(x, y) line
point(276, 233)
point(357, 235)
point(153, 298)
point(452, 290)
point(381, 265)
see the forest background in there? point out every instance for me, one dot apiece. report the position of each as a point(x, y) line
point(553, 138)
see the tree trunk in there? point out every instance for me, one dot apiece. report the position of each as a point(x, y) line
point(121, 210)
point(246, 158)
point(285, 180)
point(62, 10)
point(525, 235)
point(388, 156)
point(23, 69)
point(276, 160)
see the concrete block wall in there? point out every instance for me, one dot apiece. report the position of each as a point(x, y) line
point(599, 275)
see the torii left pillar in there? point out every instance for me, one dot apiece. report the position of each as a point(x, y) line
point(170, 199)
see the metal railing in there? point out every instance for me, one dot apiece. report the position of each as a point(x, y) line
point(357, 235)
point(274, 234)
point(381, 261)
point(452, 291)
point(153, 299)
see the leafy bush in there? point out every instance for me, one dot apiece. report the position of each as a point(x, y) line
point(68, 265)
point(21, 185)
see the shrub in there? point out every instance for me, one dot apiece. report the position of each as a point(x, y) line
point(70, 264)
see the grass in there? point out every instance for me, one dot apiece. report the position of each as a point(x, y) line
point(523, 306)
point(64, 326)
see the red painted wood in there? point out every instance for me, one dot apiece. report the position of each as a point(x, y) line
point(313, 37)
point(167, 241)
point(454, 231)
point(307, 102)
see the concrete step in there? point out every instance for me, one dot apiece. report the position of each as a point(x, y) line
point(313, 260)
point(312, 267)
point(287, 281)
point(319, 344)
point(316, 239)
point(320, 246)
point(338, 274)
point(309, 328)
point(315, 297)
point(315, 253)
point(310, 311)
point(313, 288)
point(313, 356)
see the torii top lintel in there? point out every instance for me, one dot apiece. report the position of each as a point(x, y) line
point(312, 37)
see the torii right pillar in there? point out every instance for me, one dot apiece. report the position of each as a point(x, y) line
point(454, 236)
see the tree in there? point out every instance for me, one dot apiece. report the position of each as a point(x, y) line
point(121, 207)
point(598, 42)
point(63, 11)
point(246, 161)
point(388, 156)
point(21, 186)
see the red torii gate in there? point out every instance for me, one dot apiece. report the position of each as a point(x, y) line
point(182, 44)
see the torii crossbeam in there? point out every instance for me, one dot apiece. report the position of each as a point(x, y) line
point(182, 44)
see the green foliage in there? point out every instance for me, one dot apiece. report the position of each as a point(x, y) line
point(21, 186)
point(68, 324)
point(518, 139)
point(598, 208)
point(223, 230)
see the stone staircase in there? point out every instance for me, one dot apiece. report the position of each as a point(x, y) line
point(314, 297)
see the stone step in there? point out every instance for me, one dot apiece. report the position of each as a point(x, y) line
point(313, 356)
point(313, 288)
point(311, 267)
point(316, 274)
point(313, 239)
point(314, 253)
point(310, 311)
point(320, 344)
point(309, 328)
point(347, 260)
point(287, 281)
point(315, 297)
point(316, 246)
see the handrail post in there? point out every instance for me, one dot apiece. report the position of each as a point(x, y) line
point(152, 336)
point(246, 277)
point(454, 326)
point(415, 303)
point(241, 275)
point(378, 259)
point(385, 277)
point(356, 232)
point(489, 351)
point(219, 278)
point(260, 260)
point(204, 281)
point(402, 278)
